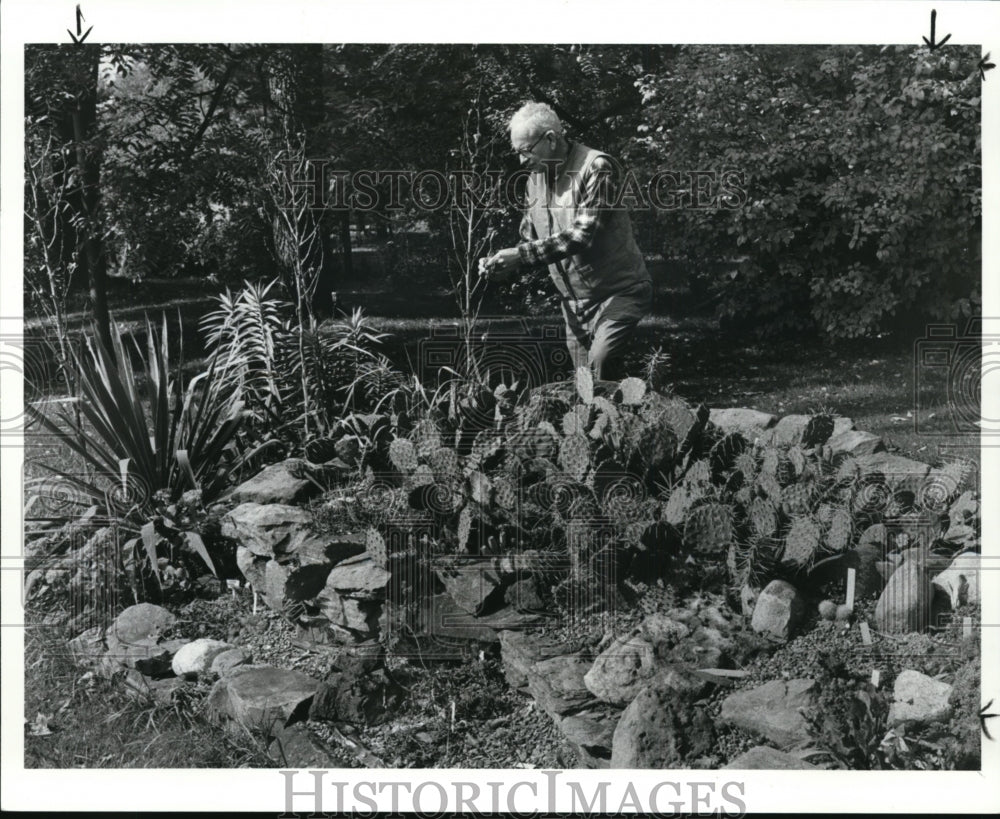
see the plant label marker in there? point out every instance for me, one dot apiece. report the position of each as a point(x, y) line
point(966, 628)
point(866, 634)
point(850, 588)
point(876, 677)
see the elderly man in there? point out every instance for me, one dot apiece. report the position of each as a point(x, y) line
point(574, 225)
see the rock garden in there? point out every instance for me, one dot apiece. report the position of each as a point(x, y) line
point(578, 574)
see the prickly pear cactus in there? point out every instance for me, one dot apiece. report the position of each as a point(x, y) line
point(375, 547)
point(425, 437)
point(403, 455)
point(797, 459)
point(724, 453)
point(802, 541)
point(574, 455)
point(576, 420)
point(763, 517)
point(839, 530)
point(585, 384)
point(709, 528)
point(443, 462)
point(796, 499)
point(464, 527)
point(505, 492)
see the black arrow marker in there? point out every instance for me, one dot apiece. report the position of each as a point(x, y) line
point(985, 66)
point(80, 19)
point(983, 716)
point(931, 44)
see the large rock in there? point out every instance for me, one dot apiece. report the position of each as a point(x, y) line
point(749, 422)
point(86, 649)
point(473, 584)
point(294, 746)
point(139, 624)
point(778, 611)
point(622, 670)
point(763, 758)
point(251, 566)
point(790, 430)
point(557, 684)
point(905, 602)
point(447, 626)
point(771, 710)
point(258, 696)
point(919, 699)
point(856, 442)
point(960, 581)
point(195, 658)
point(359, 577)
point(225, 661)
point(660, 730)
point(276, 484)
point(280, 531)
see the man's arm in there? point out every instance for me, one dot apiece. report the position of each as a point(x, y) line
point(599, 189)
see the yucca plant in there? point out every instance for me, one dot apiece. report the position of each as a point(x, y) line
point(141, 432)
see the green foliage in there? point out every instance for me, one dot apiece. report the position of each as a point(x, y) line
point(859, 168)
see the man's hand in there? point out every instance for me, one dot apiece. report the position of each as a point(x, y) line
point(504, 261)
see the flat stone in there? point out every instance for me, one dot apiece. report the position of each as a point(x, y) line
point(960, 581)
point(856, 442)
point(225, 661)
point(519, 651)
point(368, 698)
point(771, 710)
point(778, 611)
point(905, 602)
point(763, 758)
point(258, 696)
point(750, 422)
point(140, 687)
point(446, 622)
point(919, 699)
point(275, 484)
point(358, 577)
point(592, 735)
point(470, 583)
point(294, 746)
point(195, 658)
point(557, 684)
point(896, 468)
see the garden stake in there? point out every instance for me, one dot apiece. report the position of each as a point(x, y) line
point(876, 677)
point(866, 634)
point(850, 589)
point(966, 628)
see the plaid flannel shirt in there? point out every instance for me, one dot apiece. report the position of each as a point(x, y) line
point(599, 185)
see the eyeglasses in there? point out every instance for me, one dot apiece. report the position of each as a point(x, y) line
point(531, 150)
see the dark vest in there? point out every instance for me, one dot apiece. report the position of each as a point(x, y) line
point(613, 263)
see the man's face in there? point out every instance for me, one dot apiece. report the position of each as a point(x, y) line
point(533, 146)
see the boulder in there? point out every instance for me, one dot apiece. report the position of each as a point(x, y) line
point(960, 581)
point(622, 670)
point(790, 430)
point(195, 659)
point(905, 602)
point(280, 531)
point(226, 661)
point(276, 483)
point(86, 649)
point(778, 611)
point(359, 577)
point(251, 566)
point(841, 424)
point(660, 730)
point(524, 596)
point(257, 697)
point(919, 699)
point(964, 510)
point(763, 758)
point(557, 684)
point(275, 578)
point(856, 442)
point(771, 710)
point(472, 584)
point(750, 422)
point(660, 627)
point(142, 623)
point(141, 688)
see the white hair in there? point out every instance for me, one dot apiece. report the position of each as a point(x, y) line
point(536, 118)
